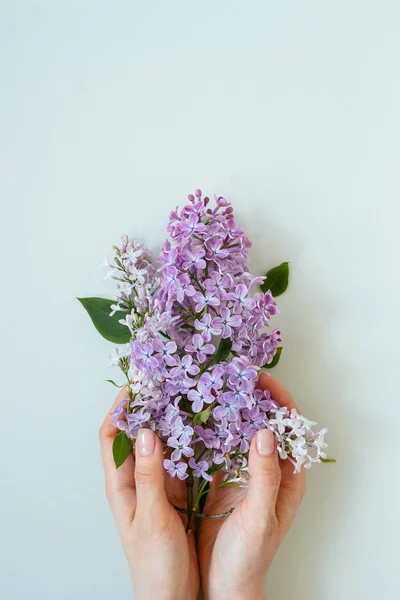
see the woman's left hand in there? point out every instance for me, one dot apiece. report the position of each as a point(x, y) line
point(161, 556)
point(235, 552)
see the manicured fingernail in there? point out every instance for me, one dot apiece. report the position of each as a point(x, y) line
point(265, 442)
point(146, 442)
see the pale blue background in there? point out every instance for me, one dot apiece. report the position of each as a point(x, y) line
point(111, 112)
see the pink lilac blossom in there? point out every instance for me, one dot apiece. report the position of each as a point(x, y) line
point(205, 410)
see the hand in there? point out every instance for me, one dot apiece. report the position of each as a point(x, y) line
point(235, 552)
point(161, 556)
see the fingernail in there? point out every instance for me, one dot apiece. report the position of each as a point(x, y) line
point(265, 442)
point(146, 442)
point(265, 373)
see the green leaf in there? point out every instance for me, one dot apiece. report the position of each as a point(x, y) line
point(116, 384)
point(328, 460)
point(121, 448)
point(202, 416)
point(275, 360)
point(277, 280)
point(99, 310)
point(223, 351)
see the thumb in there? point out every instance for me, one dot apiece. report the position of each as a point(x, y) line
point(149, 472)
point(265, 474)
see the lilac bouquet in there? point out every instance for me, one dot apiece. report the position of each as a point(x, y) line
point(193, 330)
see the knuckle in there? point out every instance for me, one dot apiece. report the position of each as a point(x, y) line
point(292, 502)
point(249, 523)
point(144, 477)
point(109, 491)
point(302, 490)
point(265, 525)
point(256, 527)
point(102, 432)
point(271, 476)
point(150, 528)
point(268, 526)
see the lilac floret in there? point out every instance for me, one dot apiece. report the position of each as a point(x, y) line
point(176, 469)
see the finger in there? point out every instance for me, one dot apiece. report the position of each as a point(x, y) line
point(175, 490)
point(214, 491)
point(293, 486)
point(149, 475)
point(265, 476)
point(120, 483)
point(176, 494)
point(277, 391)
point(221, 500)
point(291, 493)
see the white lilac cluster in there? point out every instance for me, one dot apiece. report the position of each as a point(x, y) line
point(199, 335)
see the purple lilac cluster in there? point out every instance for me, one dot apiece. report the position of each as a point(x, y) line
point(199, 335)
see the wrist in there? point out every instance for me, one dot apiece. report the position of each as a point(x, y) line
point(162, 594)
point(222, 592)
point(144, 590)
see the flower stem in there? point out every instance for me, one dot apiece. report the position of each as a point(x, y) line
point(192, 509)
point(215, 487)
point(183, 511)
point(189, 495)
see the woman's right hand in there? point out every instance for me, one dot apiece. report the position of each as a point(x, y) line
point(161, 556)
point(235, 552)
